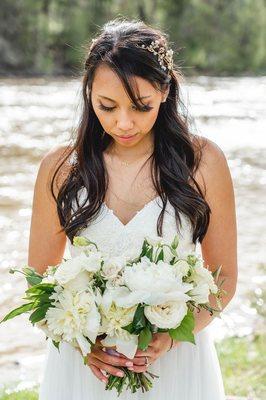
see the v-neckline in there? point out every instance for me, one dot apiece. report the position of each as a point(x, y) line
point(134, 217)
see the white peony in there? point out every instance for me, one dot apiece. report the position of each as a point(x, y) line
point(168, 315)
point(150, 283)
point(44, 327)
point(112, 322)
point(73, 315)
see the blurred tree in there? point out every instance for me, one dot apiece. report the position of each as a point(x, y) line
point(50, 36)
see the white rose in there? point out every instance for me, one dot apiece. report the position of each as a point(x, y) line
point(69, 269)
point(168, 315)
point(154, 240)
point(81, 282)
point(94, 260)
point(200, 293)
point(112, 266)
point(115, 282)
point(202, 275)
point(181, 268)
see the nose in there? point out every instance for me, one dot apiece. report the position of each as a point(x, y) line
point(124, 122)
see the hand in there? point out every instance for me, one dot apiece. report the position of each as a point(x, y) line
point(99, 360)
point(159, 345)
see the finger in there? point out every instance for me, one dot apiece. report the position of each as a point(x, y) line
point(108, 368)
point(139, 368)
point(97, 372)
point(112, 360)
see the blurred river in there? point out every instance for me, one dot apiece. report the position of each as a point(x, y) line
point(37, 114)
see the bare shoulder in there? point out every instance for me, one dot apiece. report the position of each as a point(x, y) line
point(213, 167)
point(47, 239)
point(56, 160)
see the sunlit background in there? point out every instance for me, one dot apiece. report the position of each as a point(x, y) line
point(39, 108)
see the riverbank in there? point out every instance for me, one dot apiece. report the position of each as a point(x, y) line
point(242, 363)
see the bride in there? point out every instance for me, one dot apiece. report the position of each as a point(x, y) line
point(134, 170)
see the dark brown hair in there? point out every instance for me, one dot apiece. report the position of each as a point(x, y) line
point(177, 153)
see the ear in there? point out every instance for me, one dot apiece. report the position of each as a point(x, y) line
point(165, 94)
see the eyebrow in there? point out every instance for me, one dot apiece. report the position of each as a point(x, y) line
point(107, 98)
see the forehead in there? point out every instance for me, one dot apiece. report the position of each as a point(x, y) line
point(107, 81)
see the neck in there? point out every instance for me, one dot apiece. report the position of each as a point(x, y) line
point(131, 153)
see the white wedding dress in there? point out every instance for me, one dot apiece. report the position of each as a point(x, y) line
point(187, 372)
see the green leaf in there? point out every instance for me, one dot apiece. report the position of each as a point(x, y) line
point(162, 330)
point(33, 280)
point(39, 298)
point(139, 320)
point(216, 273)
point(41, 287)
point(80, 241)
point(56, 344)
point(160, 255)
point(38, 314)
point(20, 310)
point(144, 339)
point(149, 253)
point(175, 242)
point(184, 332)
point(129, 328)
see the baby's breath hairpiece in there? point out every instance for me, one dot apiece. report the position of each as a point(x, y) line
point(164, 56)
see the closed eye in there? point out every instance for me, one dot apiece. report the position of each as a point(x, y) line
point(146, 108)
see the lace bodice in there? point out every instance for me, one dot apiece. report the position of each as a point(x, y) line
point(114, 238)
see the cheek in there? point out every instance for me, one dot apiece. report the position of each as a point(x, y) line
point(104, 118)
point(149, 118)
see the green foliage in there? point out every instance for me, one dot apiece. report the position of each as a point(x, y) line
point(184, 331)
point(19, 395)
point(221, 37)
point(242, 361)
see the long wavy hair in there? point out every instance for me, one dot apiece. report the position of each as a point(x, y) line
point(176, 155)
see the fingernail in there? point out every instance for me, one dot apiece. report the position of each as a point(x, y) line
point(120, 373)
point(131, 368)
point(129, 364)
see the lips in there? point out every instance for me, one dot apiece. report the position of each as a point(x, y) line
point(125, 137)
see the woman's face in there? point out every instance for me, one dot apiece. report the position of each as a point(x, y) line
point(117, 114)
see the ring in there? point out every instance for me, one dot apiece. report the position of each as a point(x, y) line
point(146, 361)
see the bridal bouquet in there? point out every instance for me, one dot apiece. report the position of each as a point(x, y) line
point(120, 299)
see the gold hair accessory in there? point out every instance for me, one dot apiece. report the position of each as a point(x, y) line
point(164, 56)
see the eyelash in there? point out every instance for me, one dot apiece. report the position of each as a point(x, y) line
point(109, 109)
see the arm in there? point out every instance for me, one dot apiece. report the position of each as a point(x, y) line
point(46, 244)
point(219, 246)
